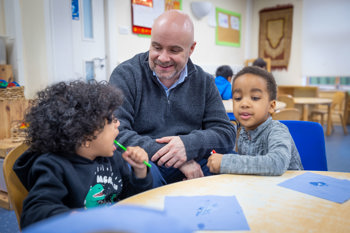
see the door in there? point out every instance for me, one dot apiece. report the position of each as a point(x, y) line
point(88, 33)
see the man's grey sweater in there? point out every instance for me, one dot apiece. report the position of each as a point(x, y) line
point(193, 110)
point(267, 150)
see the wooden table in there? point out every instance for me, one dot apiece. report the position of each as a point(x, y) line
point(229, 107)
point(306, 101)
point(267, 206)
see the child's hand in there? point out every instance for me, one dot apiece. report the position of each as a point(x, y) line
point(214, 162)
point(135, 157)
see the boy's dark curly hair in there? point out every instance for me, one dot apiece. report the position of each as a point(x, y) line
point(270, 80)
point(65, 115)
point(224, 71)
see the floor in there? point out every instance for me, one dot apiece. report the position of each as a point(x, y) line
point(338, 150)
point(8, 221)
point(338, 159)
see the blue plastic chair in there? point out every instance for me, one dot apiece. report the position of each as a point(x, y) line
point(309, 140)
point(231, 116)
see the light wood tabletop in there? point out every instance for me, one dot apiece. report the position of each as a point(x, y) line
point(267, 206)
point(306, 101)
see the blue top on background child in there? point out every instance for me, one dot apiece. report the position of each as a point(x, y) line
point(223, 81)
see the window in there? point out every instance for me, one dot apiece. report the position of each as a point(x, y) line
point(89, 71)
point(331, 82)
point(88, 20)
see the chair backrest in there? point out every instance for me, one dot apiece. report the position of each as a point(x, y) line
point(288, 99)
point(338, 99)
point(287, 114)
point(15, 189)
point(309, 140)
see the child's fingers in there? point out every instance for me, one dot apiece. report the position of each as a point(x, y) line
point(131, 162)
point(132, 159)
point(214, 163)
point(135, 156)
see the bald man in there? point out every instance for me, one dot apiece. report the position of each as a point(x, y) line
point(172, 108)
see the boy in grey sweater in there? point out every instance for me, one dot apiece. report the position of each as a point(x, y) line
point(264, 146)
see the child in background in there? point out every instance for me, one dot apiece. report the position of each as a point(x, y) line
point(264, 146)
point(72, 161)
point(259, 62)
point(223, 81)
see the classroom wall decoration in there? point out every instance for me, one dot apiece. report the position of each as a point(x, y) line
point(228, 28)
point(145, 11)
point(275, 35)
point(75, 9)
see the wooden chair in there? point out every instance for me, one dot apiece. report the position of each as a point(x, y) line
point(288, 99)
point(287, 114)
point(249, 62)
point(336, 108)
point(15, 189)
point(347, 109)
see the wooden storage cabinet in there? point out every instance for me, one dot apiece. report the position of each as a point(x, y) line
point(298, 91)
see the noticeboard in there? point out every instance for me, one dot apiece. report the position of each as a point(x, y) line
point(228, 28)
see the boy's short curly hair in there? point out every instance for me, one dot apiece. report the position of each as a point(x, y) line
point(224, 71)
point(65, 115)
point(270, 80)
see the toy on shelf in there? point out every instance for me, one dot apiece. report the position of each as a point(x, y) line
point(4, 84)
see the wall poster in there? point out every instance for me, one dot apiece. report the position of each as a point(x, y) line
point(145, 11)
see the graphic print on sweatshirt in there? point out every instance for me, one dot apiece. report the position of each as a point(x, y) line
point(107, 186)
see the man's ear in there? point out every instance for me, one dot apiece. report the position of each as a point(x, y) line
point(192, 47)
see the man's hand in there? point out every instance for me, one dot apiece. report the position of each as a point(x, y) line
point(191, 169)
point(214, 163)
point(171, 155)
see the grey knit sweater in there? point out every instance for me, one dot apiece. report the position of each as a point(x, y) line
point(267, 150)
point(193, 110)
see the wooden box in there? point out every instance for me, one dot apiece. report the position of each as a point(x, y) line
point(6, 145)
point(11, 111)
point(6, 73)
point(12, 93)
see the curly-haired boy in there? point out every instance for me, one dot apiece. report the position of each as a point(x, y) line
point(72, 161)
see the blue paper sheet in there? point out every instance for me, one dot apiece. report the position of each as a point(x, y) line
point(221, 213)
point(119, 218)
point(329, 188)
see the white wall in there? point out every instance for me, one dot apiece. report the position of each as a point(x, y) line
point(14, 42)
point(207, 53)
point(34, 46)
point(2, 18)
point(38, 42)
point(326, 38)
point(313, 51)
point(320, 39)
point(59, 40)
